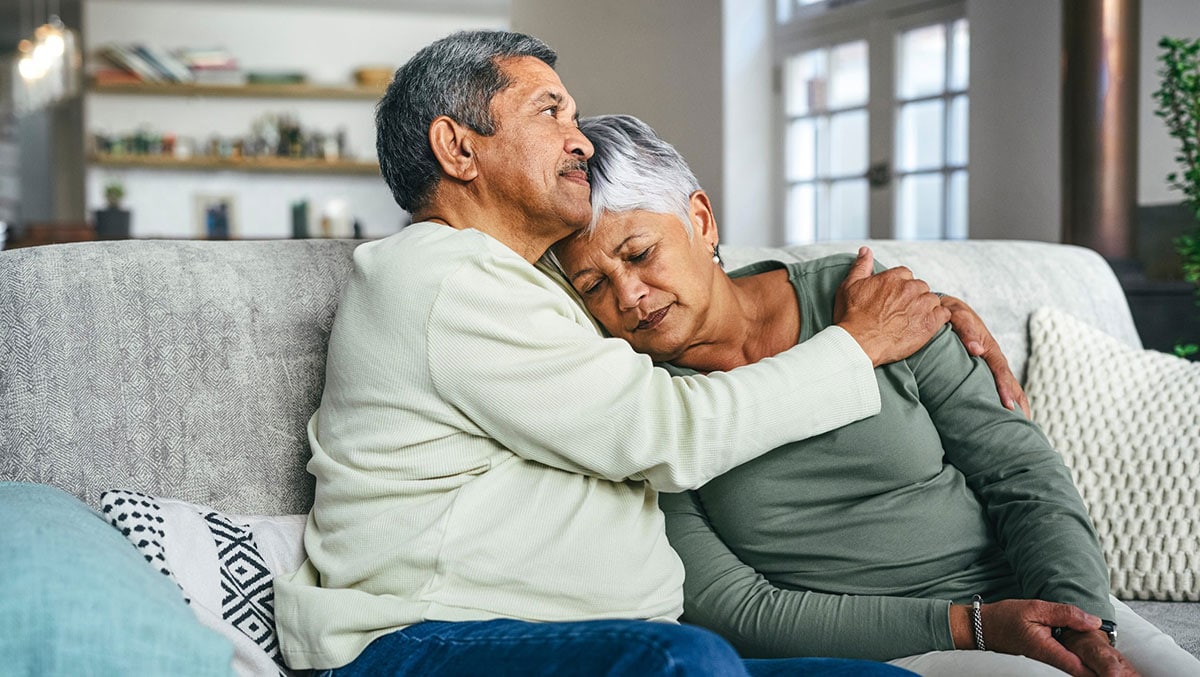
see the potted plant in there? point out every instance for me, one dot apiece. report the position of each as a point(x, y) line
point(112, 222)
point(1178, 101)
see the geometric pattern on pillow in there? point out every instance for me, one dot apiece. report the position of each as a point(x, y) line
point(1127, 422)
point(237, 574)
point(248, 598)
point(139, 518)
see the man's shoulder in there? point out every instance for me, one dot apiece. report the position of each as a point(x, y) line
point(424, 246)
point(433, 261)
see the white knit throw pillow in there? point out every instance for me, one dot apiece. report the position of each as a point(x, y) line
point(1128, 424)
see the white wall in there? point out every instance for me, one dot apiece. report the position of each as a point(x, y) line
point(326, 43)
point(749, 212)
point(1015, 146)
point(1157, 150)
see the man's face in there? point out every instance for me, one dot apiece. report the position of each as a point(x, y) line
point(535, 166)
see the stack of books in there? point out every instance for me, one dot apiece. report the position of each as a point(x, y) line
point(214, 66)
point(120, 64)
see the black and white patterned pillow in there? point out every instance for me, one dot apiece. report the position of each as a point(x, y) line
point(139, 518)
point(223, 564)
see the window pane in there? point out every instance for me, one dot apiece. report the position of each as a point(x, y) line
point(805, 82)
point(801, 214)
point(919, 136)
point(956, 135)
point(922, 62)
point(801, 150)
point(823, 211)
point(848, 143)
point(956, 216)
point(960, 50)
point(848, 210)
point(919, 207)
point(823, 146)
point(848, 75)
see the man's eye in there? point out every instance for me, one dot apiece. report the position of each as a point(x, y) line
point(552, 110)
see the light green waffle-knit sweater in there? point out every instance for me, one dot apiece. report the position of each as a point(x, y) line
point(481, 451)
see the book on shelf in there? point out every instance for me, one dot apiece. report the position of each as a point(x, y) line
point(126, 58)
point(171, 68)
point(213, 66)
point(106, 75)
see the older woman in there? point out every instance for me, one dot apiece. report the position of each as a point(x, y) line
point(945, 523)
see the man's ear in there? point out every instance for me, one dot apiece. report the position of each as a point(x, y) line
point(452, 146)
point(704, 223)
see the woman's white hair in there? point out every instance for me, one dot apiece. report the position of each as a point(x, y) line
point(634, 169)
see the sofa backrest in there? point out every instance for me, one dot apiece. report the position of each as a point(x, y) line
point(1003, 280)
point(189, 369)
point(181, 369)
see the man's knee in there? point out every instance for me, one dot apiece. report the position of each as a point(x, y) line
point(683, 651)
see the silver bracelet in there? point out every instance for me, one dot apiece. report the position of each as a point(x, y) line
point(977, 622)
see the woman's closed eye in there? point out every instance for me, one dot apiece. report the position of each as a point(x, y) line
point(590, 288)
point(640, 256)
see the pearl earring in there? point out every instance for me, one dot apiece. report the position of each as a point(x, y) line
point(716, 256)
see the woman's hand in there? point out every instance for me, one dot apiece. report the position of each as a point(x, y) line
point(980, 343)
point(1093, 649)
point(1025, 627)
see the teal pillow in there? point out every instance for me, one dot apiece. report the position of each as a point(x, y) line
point(77, 599)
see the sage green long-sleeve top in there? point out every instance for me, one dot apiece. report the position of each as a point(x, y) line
point(854, 543)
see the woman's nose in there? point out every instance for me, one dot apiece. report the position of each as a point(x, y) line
point(630, 292)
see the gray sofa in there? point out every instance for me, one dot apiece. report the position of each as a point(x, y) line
point(189, 369)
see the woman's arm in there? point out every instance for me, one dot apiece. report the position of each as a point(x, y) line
point(761, 620)
point(1031, 501)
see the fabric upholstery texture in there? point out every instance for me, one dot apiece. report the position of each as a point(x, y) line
point(1126, 421)
point(76, 599)
point(184, 369)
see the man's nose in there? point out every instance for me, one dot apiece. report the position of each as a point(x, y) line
point(578, 143)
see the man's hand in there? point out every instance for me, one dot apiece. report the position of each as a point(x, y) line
point(980, 343)
point(1097, 654)
point(891, 314)
point(1025, 627)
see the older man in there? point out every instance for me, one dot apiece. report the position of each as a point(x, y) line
point(487, 463)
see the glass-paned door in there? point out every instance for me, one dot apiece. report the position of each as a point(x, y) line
point(827, 135)
point(874, 120)
point(931, 132)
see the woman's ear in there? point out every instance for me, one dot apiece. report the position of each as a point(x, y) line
point(452, 146)
point(704, 223)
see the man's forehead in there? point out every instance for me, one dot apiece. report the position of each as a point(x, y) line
point(531, 76)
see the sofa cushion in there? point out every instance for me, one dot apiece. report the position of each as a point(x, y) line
point(224, 565)
point(1128, 425)
point(76, 599)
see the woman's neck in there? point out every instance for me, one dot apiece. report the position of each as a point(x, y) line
point(758, 316)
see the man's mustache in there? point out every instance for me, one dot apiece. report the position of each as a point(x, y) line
point(573, 166)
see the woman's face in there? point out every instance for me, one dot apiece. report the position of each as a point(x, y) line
point(643, 279)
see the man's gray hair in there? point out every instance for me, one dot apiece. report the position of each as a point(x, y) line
point(634, 169)
point(456, 76)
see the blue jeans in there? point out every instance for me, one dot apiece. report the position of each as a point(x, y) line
point(503, 648)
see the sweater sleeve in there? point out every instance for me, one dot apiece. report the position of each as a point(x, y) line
point(761, 620)
point(1031, 501)
point(507, 350)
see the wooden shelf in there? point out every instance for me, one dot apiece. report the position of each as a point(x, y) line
point(276, 165)
point(331, 92)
